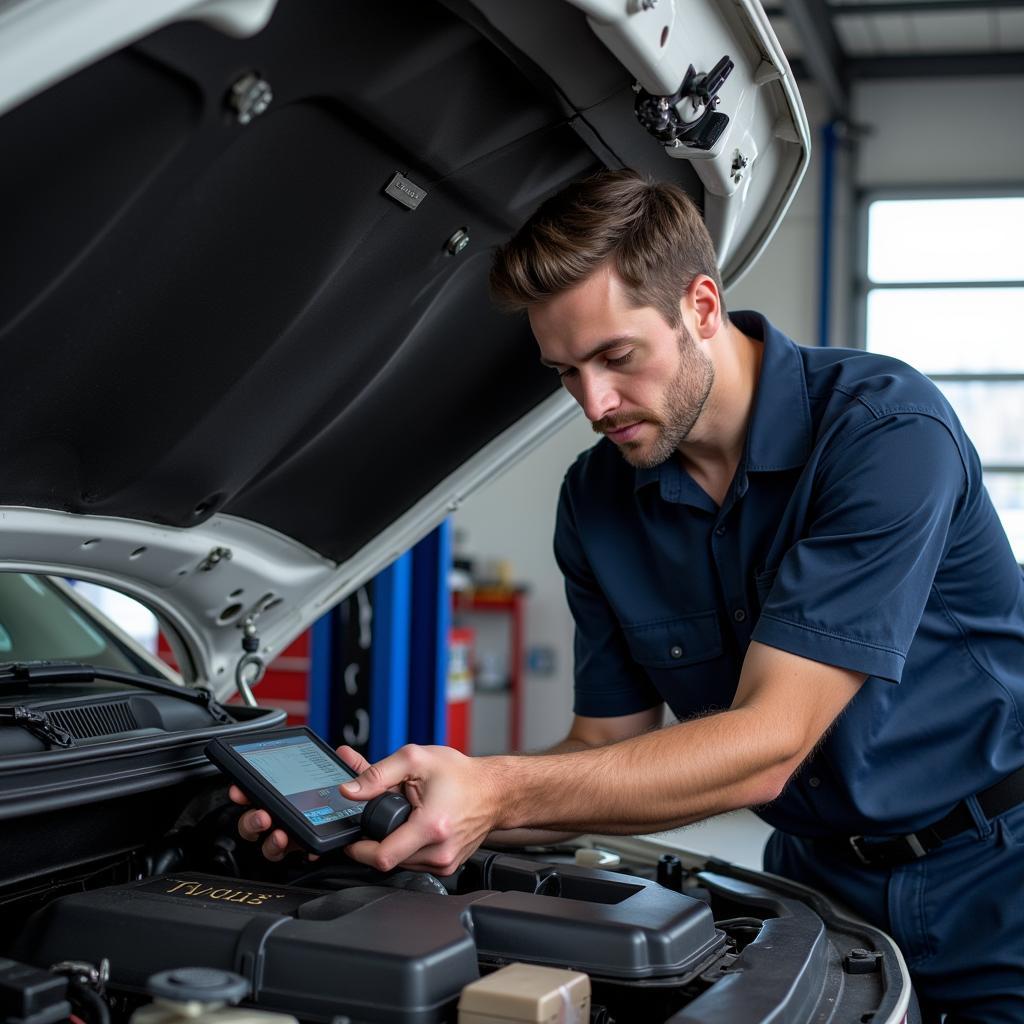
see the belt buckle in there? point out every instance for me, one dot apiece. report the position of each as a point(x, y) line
point(855, 842)
point(910, 843)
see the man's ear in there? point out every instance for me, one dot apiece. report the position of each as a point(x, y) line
point(704, 305)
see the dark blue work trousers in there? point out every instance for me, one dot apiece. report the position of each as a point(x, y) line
point(957, 913)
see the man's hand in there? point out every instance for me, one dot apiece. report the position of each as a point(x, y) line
point(255, 824)
point(455, 804)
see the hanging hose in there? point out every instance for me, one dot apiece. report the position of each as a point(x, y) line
point(244, 686)
point(249, 661)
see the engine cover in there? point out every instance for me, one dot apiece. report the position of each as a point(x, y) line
point(372, 952)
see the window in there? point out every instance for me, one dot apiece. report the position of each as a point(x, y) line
point(944, 291)
point(40, 620)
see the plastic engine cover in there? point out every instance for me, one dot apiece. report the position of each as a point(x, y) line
point(374, 953)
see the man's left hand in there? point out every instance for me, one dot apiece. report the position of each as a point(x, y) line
point(456, 803)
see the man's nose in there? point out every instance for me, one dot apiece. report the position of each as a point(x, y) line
point(596, 396)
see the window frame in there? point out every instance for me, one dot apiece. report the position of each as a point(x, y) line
point(863, 286)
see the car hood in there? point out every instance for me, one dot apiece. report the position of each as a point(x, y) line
point(247, 344)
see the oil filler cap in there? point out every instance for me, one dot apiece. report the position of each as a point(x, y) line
point(198, 985)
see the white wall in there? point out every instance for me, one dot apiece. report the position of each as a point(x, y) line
point(514, 518)
point(942, 132)
point(785, 282)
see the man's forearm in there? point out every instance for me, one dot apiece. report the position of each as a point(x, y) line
point(537, 836)
point(649, 783)
point(644, 782)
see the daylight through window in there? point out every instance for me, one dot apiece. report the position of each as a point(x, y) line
point(945, 292)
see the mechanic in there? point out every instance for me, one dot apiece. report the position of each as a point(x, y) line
point(793, 549)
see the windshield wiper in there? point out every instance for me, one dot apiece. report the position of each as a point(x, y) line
point(38, 723)
point(40, 672)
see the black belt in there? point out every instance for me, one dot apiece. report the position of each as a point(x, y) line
point(889, 852)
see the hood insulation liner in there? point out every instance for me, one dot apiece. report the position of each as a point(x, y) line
point(201, 316)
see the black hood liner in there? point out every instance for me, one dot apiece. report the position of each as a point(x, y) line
point(202, 317)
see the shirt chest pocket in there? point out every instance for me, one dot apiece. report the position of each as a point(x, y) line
point(673, 643)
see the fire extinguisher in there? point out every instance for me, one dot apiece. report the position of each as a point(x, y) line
point(459, 693)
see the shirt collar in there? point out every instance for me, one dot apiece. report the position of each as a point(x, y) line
point(649, 474)
point(674, 484)
point(779, 435)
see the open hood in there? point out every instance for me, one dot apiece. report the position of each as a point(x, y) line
point(247, 346)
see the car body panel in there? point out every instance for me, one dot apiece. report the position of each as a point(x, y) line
point(249, 345)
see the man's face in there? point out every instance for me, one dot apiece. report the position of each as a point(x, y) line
point(640, 382)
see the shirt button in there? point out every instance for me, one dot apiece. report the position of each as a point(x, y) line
point(739, 615)
point(814, 782)
point(676, 652)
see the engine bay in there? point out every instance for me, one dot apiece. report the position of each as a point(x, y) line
point(124, 878)
point(332, 941)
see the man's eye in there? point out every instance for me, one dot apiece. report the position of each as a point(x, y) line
point(620, 360)
point(567, 372)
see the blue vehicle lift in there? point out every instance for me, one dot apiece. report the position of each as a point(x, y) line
point(408, 655)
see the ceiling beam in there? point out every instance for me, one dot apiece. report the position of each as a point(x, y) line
point(979, 7)
point(820, 50)
point(937, 65)
point(920, 65)
point(907, 7)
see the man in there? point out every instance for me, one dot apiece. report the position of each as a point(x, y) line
point(793, 549)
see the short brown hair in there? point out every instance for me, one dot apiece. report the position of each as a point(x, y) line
point(651, 231)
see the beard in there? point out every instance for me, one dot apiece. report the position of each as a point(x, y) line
point(685, 397)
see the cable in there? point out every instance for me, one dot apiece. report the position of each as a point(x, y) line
point(96, 1010)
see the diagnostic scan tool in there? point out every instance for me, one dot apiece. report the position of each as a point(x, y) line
point(295, 776)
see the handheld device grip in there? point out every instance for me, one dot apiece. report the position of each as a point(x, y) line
point(383, 814)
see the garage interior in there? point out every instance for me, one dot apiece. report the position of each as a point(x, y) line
point(913, 101)
point(903, 238)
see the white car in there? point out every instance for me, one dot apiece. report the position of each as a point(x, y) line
point(248, 356)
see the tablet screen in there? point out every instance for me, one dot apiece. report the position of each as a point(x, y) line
point(306, 776)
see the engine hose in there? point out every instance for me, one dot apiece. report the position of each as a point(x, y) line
point(91, 1007)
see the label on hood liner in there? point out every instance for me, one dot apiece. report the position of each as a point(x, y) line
point(407, 193)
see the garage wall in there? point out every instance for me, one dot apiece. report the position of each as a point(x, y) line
point(941, 131)
point(957, 132)
point(785, 282)
point(918, 132)
point(514, 518)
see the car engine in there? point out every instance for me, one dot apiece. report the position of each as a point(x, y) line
point(124, 882)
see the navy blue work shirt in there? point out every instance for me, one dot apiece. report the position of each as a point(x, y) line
point(856, 533)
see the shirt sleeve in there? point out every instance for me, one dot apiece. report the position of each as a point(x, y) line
point(608, 682)
point(851, 592)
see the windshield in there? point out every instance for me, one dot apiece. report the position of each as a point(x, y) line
point(39, 623)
